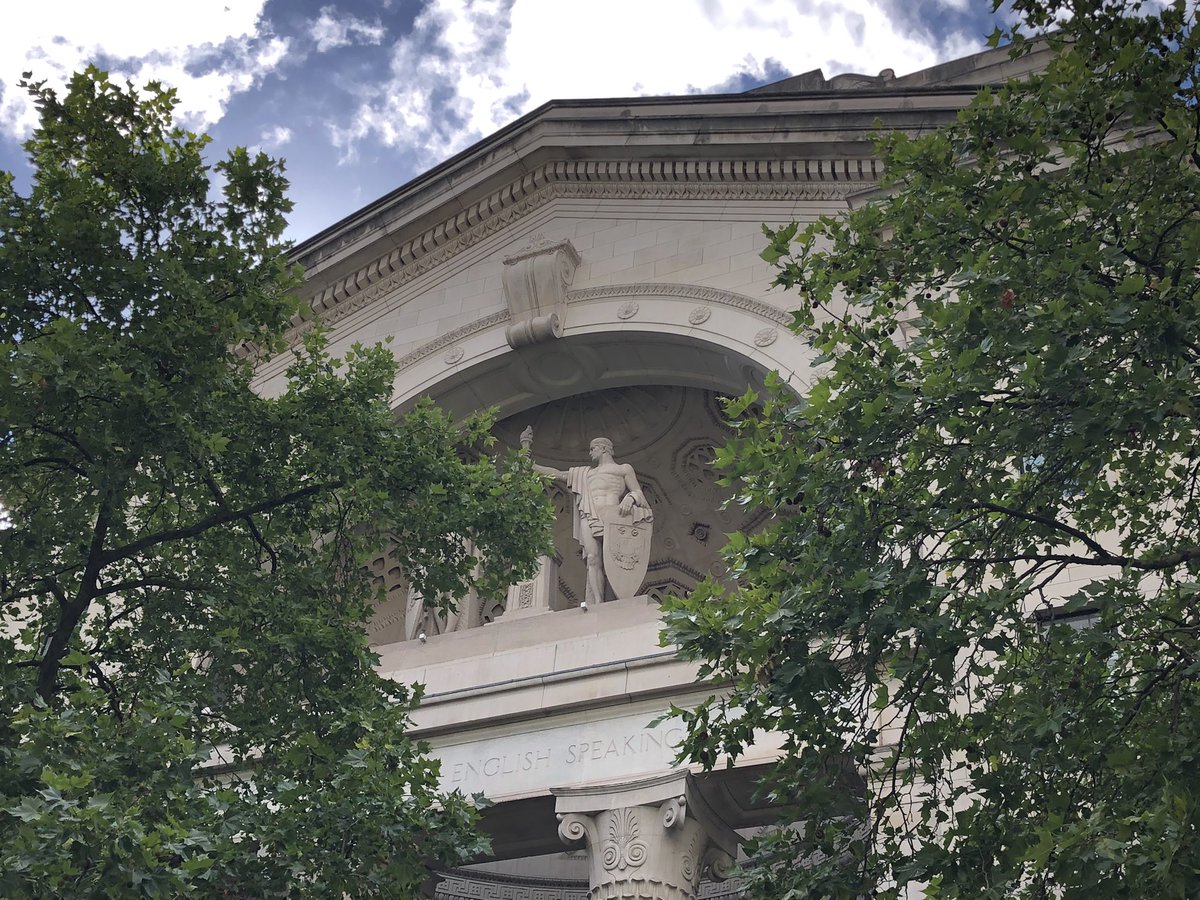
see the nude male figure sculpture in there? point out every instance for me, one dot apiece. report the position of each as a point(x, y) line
point(612, 520)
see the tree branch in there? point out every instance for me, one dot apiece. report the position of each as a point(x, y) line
point(151, 581)
point(254, 532)
point(72, 611)
point(215, 521)
point(1053, 523)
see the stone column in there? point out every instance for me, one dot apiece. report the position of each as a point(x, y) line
point(651, 839)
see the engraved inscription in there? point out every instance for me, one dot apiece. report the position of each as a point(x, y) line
point(493, 766)
point(559, 756)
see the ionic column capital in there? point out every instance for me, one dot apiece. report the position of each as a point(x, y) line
point(650, 839)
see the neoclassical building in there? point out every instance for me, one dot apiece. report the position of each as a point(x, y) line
point(593, 270)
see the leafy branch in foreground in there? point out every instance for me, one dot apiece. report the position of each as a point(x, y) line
point(1004, 439)
point(188, 705)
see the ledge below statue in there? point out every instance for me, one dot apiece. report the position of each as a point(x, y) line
point(537, 666)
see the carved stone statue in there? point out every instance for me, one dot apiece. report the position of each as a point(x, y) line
point(612, 520)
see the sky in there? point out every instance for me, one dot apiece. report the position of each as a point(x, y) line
point(361, 96)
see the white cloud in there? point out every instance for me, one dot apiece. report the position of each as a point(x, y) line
point(469, 68)
point(208, 49)
point(273, 138)
point(333, 29)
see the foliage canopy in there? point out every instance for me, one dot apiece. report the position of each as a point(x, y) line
point(1005, 434)
point(188, 705)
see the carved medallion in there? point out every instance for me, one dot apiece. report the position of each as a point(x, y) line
point(627, 310)
point(693, 467)
point(699, 315)
point(765, 337)
point(453, 355)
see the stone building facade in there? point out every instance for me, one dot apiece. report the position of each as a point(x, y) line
point(593, 269)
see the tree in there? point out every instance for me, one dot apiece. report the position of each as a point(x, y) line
point(188, 705)
point(1004, 436)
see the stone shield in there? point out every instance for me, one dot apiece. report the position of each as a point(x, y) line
point(626, 555)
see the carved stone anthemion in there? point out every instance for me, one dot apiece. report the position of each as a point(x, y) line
point(612, 520)
point(652, 839)
point(535, 288)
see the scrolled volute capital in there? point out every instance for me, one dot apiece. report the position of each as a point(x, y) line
point(574, 828)
point(718, 865)
point(674, 811)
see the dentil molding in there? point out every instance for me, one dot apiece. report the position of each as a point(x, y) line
point(585, 179)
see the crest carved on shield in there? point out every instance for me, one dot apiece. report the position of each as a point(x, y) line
point(626, 554)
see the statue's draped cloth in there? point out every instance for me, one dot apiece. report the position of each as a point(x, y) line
point(590, 517)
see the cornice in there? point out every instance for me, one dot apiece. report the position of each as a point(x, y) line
point(747, 179)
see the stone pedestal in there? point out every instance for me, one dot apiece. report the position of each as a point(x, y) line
point(535, 596)
point(651, 839)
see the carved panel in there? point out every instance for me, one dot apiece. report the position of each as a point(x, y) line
point(488, 886)
point(669, 587)
point(692, 465)
point(387, 624)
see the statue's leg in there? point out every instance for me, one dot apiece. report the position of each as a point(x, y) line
point(594, 559)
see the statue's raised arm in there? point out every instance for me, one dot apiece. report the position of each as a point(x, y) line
point(527, 446)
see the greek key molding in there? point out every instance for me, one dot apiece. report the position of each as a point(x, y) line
point(583, 179)
point(685, 292)
point(462, 883)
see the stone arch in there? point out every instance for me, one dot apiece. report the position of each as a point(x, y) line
point(615, 336)
point(650, 357)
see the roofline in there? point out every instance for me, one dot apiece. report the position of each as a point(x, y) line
point(911, 84)
point(687, 100)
